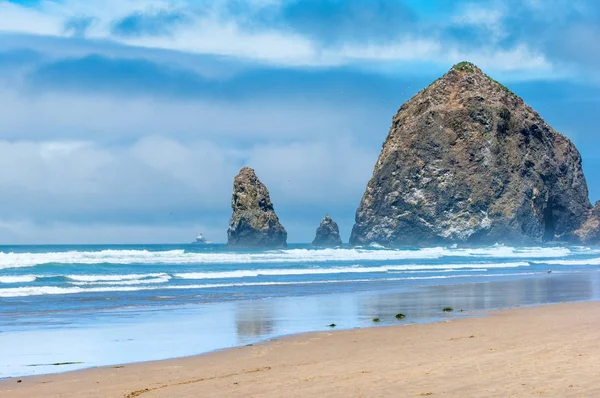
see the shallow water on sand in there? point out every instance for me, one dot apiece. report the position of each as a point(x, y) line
point(105, 305)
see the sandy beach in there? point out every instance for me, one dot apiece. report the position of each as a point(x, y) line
point(549, 351)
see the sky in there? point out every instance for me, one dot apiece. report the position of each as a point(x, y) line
point(125, 121)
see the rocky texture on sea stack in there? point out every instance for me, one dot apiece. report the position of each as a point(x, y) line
point(253, 223)
point(328, 234)
point(589, 233)
point(467, 161)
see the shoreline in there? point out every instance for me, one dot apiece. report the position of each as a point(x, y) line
point(303, 357)
point(194, 330)
point(91, 314)
point(454, 315)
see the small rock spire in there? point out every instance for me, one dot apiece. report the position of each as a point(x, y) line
point(328, 234)
point(253, 223)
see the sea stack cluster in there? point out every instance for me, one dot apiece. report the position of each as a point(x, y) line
point(254, 223)
point(466, 161)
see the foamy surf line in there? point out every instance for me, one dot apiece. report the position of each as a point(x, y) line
point(54, 290)
point(133, 279)
point(342, 270)
point(18, 279)
point(151, 281)
point(85, 278)
point(175, 257)
point(589, 261)
point(113, 278)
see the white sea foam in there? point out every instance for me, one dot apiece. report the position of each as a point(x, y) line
point(589, 261)
point(52, 290)
point(15, 260)
point(339, 270)
point(116, 278)
point(132, 282)
point(438, 271)
point(18, 279)
point(157, 278)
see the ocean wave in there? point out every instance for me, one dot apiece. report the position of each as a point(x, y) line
point(53, 290)
point(175, 257)
point(156, 278)
point(589, 261)
point(339, 270)
point(438, 271)
point(113, 278)
point(18, 279)
point(132, 282)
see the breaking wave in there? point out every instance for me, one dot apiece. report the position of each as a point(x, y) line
point(343, 270)
point(590, 261)
point(153, 278)
point(175, 257)
point(18, 279)
point(53, 290)
point(112, 278)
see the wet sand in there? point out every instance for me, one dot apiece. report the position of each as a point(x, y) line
point(551, 351)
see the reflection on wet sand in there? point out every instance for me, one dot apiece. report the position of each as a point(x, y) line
point(253, 322)
point(424, 303)
point(144, 334)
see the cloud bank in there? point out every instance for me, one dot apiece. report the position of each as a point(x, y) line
point(125, 121)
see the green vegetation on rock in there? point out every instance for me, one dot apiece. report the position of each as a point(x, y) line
point(465, 66)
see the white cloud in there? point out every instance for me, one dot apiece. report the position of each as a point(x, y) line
point(207, 33)
point(27, 232)
point(96, 179)
point(409, 49)
point(72, 163)
point(18, 19)
point(552, 11)
point(208, 36)
point(83, 116)
point(213, 31)
point(45, 186)
point(305, 173)
point(488, 19)
point(473, 14)
point(517, 58)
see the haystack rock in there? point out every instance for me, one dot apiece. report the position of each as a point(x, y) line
point(253, 223)
point(467, 161)
point(328, 234)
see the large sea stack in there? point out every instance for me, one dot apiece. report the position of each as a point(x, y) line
point(328, 234)
point(253, 223)
point(467, 161)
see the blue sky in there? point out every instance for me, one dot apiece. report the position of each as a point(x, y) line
point(126, 121)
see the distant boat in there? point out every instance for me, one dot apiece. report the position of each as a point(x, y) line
point(201, 240)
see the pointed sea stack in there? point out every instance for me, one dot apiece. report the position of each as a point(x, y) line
point(328, 234)
point(253, 223)
point(467, 161)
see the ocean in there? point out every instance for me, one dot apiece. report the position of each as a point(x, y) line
point(70, 307)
